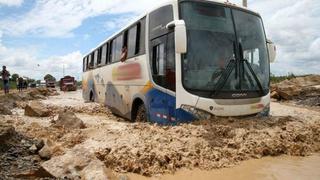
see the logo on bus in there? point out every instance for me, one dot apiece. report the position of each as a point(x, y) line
point(237, 95)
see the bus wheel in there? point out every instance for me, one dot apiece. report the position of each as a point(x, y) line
point(141, 114)
point(91, 97)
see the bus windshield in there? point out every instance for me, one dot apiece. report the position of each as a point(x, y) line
point(226, 50)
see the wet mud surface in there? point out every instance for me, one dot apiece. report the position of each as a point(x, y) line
point(148, 149)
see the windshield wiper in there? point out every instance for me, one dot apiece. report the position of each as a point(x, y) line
point(254, 76)
point(244, 62)
point(225, 76)
point(226, 73)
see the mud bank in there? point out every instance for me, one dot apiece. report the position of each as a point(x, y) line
point(151, 149)
point(18, 155)
point(19, 99)
point(111, 143)
point(304, 91)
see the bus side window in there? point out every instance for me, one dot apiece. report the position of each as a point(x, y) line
point(95, 58)
point(99, 56)
point(171, 63)
point(158, 64)
point(141, 30)
point(124, 47)
point(84, 64)
point(91, 62)
point(104, 54)
point(110, 56)
point(132, 41)
point(87, 63)
point(116, 48)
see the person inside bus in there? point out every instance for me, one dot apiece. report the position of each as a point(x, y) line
point(124, 53)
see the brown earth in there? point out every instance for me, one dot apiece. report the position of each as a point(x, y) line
point(17, 159)
point(149, 149)
point(301, 90)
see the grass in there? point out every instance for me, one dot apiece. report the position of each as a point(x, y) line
point(13, 85)
point(277, 79)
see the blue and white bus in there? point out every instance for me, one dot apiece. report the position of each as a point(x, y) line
point(182, 61)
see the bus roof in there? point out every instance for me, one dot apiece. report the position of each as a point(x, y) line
point(225, 2)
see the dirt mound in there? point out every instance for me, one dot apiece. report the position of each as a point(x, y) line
point(61, 137)
point(17, 160)
point(77, 163)
point(36, 109)
point(12, 100)
point(209, 144)
point(5, 110)
point(300, 88)
point(69, 120)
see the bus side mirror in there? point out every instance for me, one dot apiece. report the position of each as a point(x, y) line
point(272, 51)
point(180, 35)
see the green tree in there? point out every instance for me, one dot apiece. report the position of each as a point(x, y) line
point(14, 77)
point(49, 77)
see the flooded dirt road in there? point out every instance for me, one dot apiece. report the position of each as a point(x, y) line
point(268, 168)
point(187, 151)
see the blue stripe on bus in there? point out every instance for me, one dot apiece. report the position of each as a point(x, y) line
point(162, 109)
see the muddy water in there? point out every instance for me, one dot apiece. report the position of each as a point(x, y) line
point(269, 168)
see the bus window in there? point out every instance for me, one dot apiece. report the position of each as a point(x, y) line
point(171, 63)
point(99, 56)
point(124, 47)
point(84, 64)
point(104, 54)
point(158, 64)
point(158, 21)
point(91, 61)
point(141, 36)
point(132, 42)
point(116, 49)
point(95, 58)
point(87, 63)
point(110, 49)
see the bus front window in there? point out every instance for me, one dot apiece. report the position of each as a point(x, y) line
point(212, 63)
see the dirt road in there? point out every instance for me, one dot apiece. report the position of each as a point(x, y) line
point(151, 150)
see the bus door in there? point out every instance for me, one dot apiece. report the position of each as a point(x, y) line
point(162, 100)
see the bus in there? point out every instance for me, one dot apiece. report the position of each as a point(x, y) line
point(183, 61)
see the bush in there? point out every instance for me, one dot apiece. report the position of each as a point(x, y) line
point(13, 85)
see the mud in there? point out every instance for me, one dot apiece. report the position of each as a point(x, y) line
point(268, 168)
point(209, 144)
point(16, 158)
point(303, 91)
point(150, 150)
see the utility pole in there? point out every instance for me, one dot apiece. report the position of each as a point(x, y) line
point(245, 3)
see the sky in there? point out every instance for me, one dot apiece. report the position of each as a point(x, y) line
point(43, 36)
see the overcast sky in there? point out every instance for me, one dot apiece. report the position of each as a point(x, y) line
point(39, 36)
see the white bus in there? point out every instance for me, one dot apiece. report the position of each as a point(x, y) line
point(182, 61)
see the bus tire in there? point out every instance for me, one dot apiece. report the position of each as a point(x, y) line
point(141, 114)
point(265, 112)
point(91, 97)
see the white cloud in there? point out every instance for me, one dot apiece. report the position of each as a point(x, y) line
point(57, 18)
point(25, 63)
point(295, 29)
point(11, 2)
point(292, 25)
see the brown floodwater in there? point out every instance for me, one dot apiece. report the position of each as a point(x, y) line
point(268, 168)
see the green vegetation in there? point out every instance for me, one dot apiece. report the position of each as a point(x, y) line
point(49, 77)
point(276, 79)
point(13, 84)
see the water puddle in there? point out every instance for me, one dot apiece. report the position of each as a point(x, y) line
point(269, 168)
